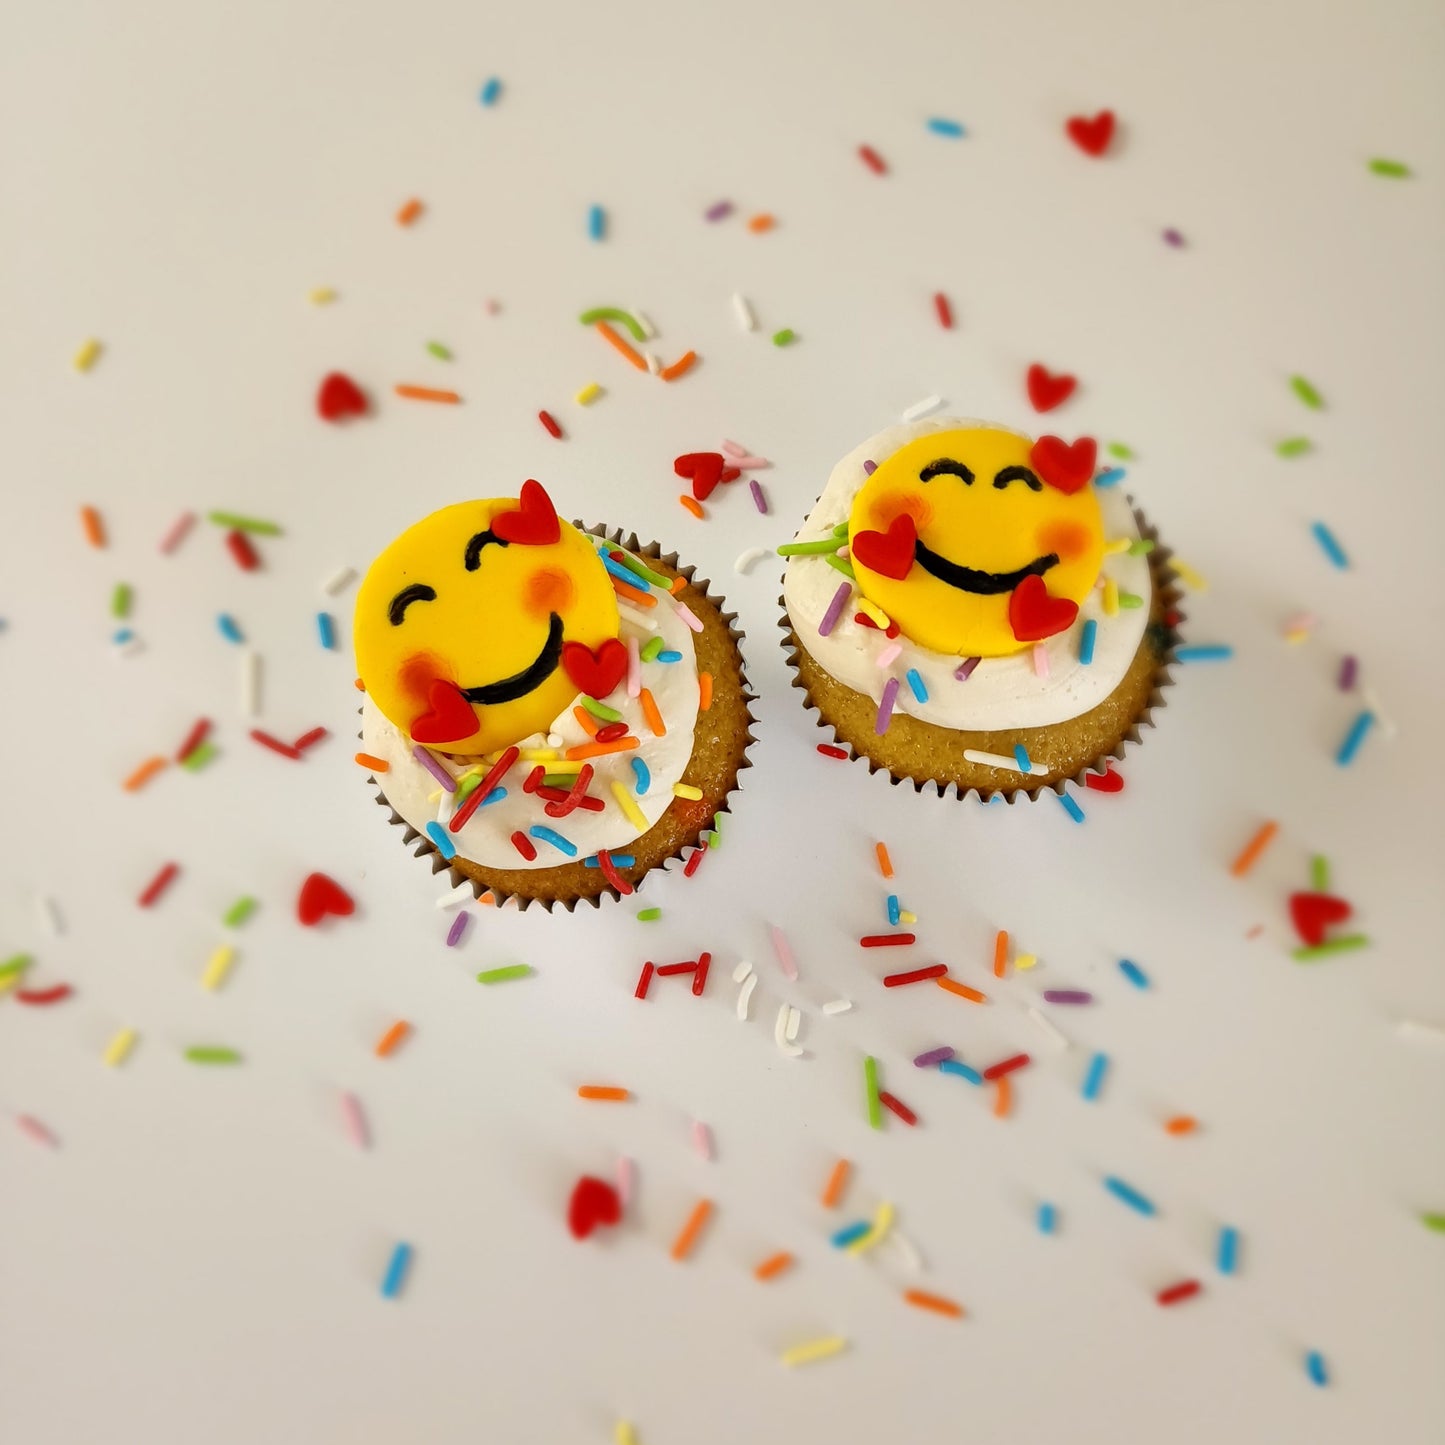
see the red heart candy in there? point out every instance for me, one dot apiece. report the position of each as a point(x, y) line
point(1092, 135)
point(339, 397)
point(1046, 391)
point(1064, 467)
point(595, 673)
point(1034, 615)
point(889, 553)
point(534, 523)
point(703, 469)
point(594, 1202)
point(448, 718)
point(1106, 782)
point(1314, 912)
point(319, 896)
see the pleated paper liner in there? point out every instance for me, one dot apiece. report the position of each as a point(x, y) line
point(928, 755)
point(721, 739)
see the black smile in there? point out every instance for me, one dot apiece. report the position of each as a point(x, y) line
point(970, 579)
point(509, 689)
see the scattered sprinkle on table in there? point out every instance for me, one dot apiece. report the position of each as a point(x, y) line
point(87, 355)
point(603, 1093)
point(1354, 738)
point(1307, 392)
point(814, 1350)
point(505, 975)
point(1396, 170)
point(490, 91)
point(409, 212)
point(1133, 973)
point(1126, 1194)
point(1252, 851)
point(396, 1271)
point(1177, 1293)
point(211, 1054)
point(1204, 652)
point(687, 1236)
point(785, 337)
point(388, 1042)
point(941, 126)
point(937, 1303)
point(1329, 544)
point(1294, 447)
point(1316, 1369)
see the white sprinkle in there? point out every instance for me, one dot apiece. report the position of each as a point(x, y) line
point(922, 408)
point(889, 655)
point(251, 683)
point(838, 1006)
point(1048, 1026)
point(635, 617)
point(1415, 1029)
point(455, 897)
point(555, 740)
point(746, 559)
point(653, 364)
point(641, 318)
point(780, 1034)
point(742, 971)
point(745, 997)
point(624, 1179)
point(688, 615)
point(794, 1020)
point(48, 911)
point(999, 760)
point(1387, 723)
point(355, 1121)
point(912, 1260)
point(744, 313)
point(339, 580)
point(702, 1138)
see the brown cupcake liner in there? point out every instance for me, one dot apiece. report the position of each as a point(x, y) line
point(1164, 625)
point(426, 849)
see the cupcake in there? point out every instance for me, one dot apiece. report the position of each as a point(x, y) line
point(970, 608)
point(550, 713)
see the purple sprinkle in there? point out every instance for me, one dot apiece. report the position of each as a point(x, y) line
point(870, 467)
point(434, 768)
point(1067, 995)
point(1173, 237)
point(459, 927)
point(964, 670)
point(718, 210)
point(1348, 668)
point(835, 609)
point(759, 500)
point(933, 1056)
point(885, 708)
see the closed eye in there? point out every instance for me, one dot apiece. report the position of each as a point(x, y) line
point(1018, 474)
point(946, 467)
point(417, 592)
point(473, 558)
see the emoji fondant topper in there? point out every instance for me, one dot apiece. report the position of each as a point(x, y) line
point(978, 542)
point(478, 626)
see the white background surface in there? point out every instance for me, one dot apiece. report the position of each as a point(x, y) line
point(201, 1258)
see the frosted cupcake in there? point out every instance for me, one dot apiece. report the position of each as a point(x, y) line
point(969, 607)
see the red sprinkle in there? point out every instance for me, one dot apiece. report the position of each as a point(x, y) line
point(669, 970)
point(873, 160)
point(523, 844)
point(917, 975)
point(645, 977)
point(533, 779)
point(43, 995)
point(158, 885)
point(194, 739)
point(1185, 1289)
point(570, 800)
point(887, 940)
point(609, 868)
point(945, 311)
point(1008, 1066)
point(897, 1106)
point(693, 863)
point(699, 979)
point(550, 422)
point(1106, 782)
point(242, 551)
point(474, 801)
point(829, 751)
point(611, 732)
point(275, 744)
point(307, 739)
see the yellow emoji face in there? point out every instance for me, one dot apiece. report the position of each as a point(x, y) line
point(469, 623)
point(979, 542)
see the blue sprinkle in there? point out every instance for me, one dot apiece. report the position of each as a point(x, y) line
point(916, 683)
point(622, 574)
point(956, 1066)
point(1110, 477)
point(894, 912)
point(491, 90)
point(1228, 1249)
point(396, 1271)
point(619, 860)
point(326, 631)
point(1315, 1368)
point(1070, 807)
point(1136, 1201)
point(596, 223)
point(850, 1232)
point(1021, 757)
point(1094, 1078)
point(1354, 738)
point(1086, 642)
point(550, 835)
point(121, 637)
point(644, 777)
point(1133, 973)
point(1214, 652)
point(1332, 548)
point(495, 796)
point(438, 835)
point(669, 655)
point(1048, 1218)
point(951, 128)
point(228, 627)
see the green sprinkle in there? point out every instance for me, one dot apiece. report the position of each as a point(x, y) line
point(1343, 944)
point(1130, 599)
point(439, 351)
point(626, 559)
point(120, 600)
point(559, 780)
point(614, 313)
point(505, 975)
point(841, 530)
point(198, 757)
point(238, 523)
point(1307, 393)
point(870, 1085)
point(212, 1054)
point(846, 568)
point(649, 915)
point(1381, 167)
point(239, 912)
point(1119, 450)
point(468, 785)
point(16, 963)
point(650, 649)
point(600, 709)
point(1320, 873)
point(1434, 1221)
point(1140, 547)
point(714, 838)
point(1294, 447)
point(785, 337)
point(808, 549)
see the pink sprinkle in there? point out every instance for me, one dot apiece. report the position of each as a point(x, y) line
point(933, 1056)
point(177, 533)
point(885, 707)
point(835, 609)
point(1349, 667)
point(35, 1130)
point(759, 500)
point(785, 953)
point(355, 1121)
point(1173, 237)
point(459, 927)
point(688, 615)
point(634, 669)
point(889, 655)
point(1041, 659)
point(964, 670)
point(718, 210)
point(1300, 622)
point(625, 1176)
point(735, 449)
point(702, 1138)
point(750, 464)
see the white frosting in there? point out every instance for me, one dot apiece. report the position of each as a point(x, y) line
point(485, 838)
point(1001, 692)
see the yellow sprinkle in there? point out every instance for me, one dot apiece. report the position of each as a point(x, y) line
point(904, 916)
point(321, 296)
point(1116, 545)
point(814, 1350)
point(622, 1432)
point(873, 611)
point(219, 966)
point(1111, 597)
point(1188, 576)
point(1296, 634)
point(9, 981)
point(882, 1223)
point(85, 357)
point(628, 804)
point(587, 396)
point(1025, 960)
point(566, 765)
point(117, 1050)
point(434, 798)
point(686, 790)
point(538, 755)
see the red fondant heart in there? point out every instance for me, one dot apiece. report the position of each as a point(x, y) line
point(319, 896)
point(889, 553)
point(1314, 912)
point(1034, 615)
point(1046, 391)
point(1106, 782)
point(339, 397)
point(595, 673)
point(448, 718)
point(594, 1203)
point(703, 469)
point(1064, 467)
point(1092, 134)
point(534, 523)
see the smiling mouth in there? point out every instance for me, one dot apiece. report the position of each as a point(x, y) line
point(971, 579)
point(509, 689)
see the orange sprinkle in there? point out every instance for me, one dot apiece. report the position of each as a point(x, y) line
point(650, 712)
point(1000, 953)
point(1181, 1124)
point(680, 367)
point(676, 585)
point(425, 393)
point(634, 356)
point(94, 527)
point(634, 595)
point(357, 683)
point(1003, 1097)
point(377, 765)
point(962, 990)
point(922, 1300)
point(408, 212)
point(599, 750)
point(387, 1043)
point(488, 899)
point(687, 1236)
point(604, 1093)
point(773, 1265)
point(143, 774)
point(588, 723)
point(759, 224)
point(833, 1189)
point(693, 506)
point(1249, 855)
point(885, 863)
point(704, 691)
